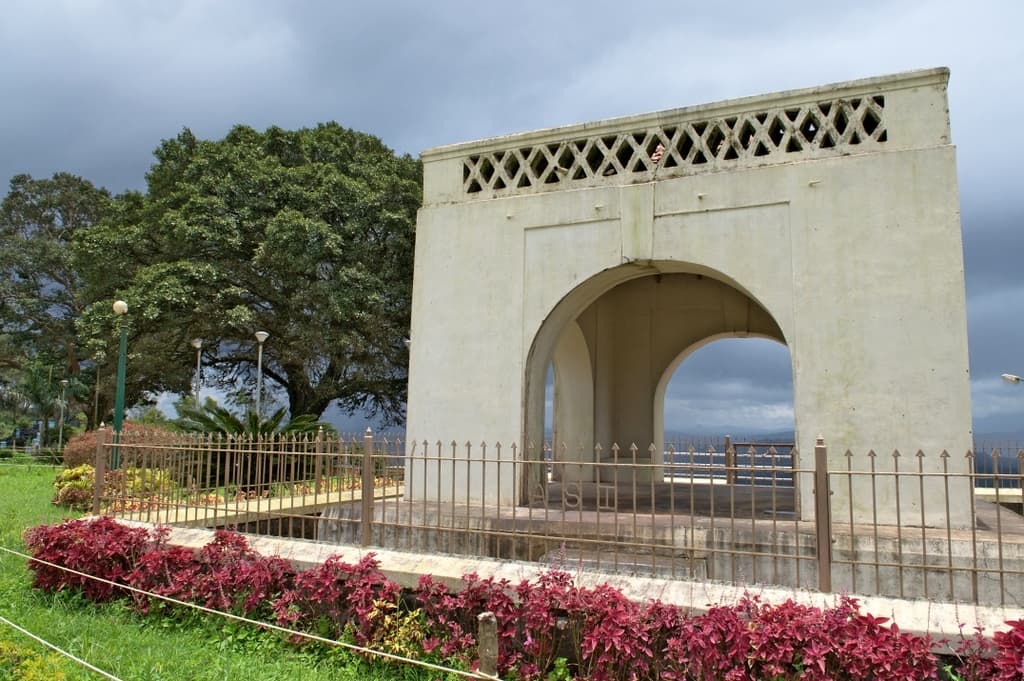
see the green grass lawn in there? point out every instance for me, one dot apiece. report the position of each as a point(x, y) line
point(116, 640)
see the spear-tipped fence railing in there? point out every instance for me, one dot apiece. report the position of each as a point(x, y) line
point(910, 525)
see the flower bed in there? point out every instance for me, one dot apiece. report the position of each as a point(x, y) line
point(547, 628)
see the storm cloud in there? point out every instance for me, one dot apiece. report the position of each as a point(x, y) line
point(92, 87)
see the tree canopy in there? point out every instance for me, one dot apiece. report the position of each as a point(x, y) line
point(42, 293)
point(307, 235)
point(40, 278)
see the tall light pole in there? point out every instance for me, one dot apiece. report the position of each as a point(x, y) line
point(120, 309)
point(197, 343)
point(261, 337)
point(63, 404)
point(96, 395)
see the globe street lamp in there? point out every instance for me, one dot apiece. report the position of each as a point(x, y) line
point(197, 343)
point(63, 404)
point(120, 309)
point(261, 336)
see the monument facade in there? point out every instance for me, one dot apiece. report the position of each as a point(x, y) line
point(826, 219)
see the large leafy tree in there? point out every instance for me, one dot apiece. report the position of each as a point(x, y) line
point(41, 287)
point(305, 234)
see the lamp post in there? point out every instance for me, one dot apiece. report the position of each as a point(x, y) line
point(96, 394)
point(63, 404)
point(1011, 378)
point(120, 309)
point(197, 343)
point(261, 337)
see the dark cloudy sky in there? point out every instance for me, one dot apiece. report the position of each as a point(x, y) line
point(92, 86)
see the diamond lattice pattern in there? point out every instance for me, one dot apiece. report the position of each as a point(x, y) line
point(767, 136)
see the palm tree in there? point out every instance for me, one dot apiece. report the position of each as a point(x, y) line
point(210, 417)
point(13, 402)
point(39, 389)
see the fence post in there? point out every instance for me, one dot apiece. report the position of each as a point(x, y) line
point(730, 461)
point(318, 462)
point(487, 644)
point(366, 519)
point(99, 469)
point(822, 516)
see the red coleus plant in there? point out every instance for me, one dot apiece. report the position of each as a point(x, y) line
point(226, 574)
point(1009, 661)
point(452, 618)
point(101, 547)
point(754, 640)
point(336, 598)
point(603, 635)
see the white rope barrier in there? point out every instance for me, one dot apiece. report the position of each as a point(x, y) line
point(65, 653)
point(263, 625)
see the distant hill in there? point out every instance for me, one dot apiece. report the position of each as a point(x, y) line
point(737, 434)
point(999, 439)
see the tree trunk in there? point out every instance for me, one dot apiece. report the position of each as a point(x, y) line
point(303, 398)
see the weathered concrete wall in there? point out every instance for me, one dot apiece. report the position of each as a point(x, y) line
point(834, 210)
point(963, 566)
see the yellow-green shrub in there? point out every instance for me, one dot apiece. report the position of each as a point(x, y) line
point(23, 663)
point(141, 482)
point(73, 487)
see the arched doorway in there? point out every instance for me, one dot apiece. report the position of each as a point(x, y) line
point(738, 385)
point(726, 408)
point(613, 342)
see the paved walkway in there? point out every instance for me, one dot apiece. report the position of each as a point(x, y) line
point(697, 498)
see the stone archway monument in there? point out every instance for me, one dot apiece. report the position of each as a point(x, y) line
point(826, 219)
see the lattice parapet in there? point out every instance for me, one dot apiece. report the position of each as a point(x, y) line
point(773, 136)
point(889, 113)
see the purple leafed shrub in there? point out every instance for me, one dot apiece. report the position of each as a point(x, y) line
point(1000, 658)
point(754, 640)
point(452, 618)
point(614, 641)
point(167, 571)
point(337, 598)
point(711, 646)
point(544, 626)
point(548, 611)
point(101, 547)
point(226, 574)
point(1009, 660)
point(232, 576)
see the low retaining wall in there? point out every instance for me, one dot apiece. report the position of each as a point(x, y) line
point(939, 620)
point(985, 564)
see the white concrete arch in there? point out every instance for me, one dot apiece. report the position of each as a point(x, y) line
point(827, 218)
point(593, 304)
point(573, 408)
point(630, 323)
point(670, 370)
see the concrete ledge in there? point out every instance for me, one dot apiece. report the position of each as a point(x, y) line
point(939, 620)
point(1012, 498)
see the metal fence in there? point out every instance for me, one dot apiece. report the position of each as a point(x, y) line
point(750, 513)
point(735, 462)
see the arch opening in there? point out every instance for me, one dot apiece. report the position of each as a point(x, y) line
point(727, 385)
point(613, 345)
point(726, 416)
